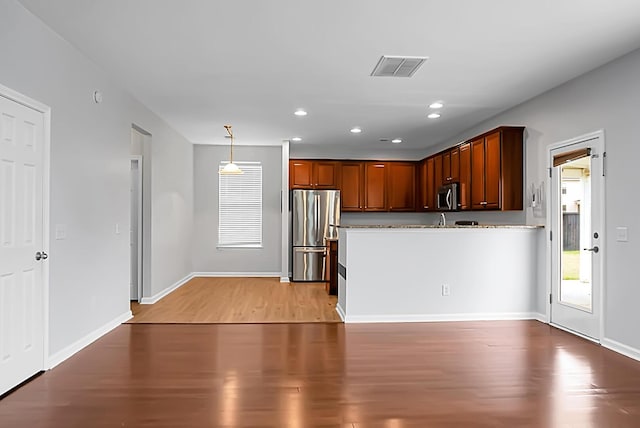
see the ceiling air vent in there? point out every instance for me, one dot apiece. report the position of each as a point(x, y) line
point(398, 66)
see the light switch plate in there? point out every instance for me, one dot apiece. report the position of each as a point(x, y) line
point(61, 232)
point(622, 234)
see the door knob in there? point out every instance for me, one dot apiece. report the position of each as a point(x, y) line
point(594, 249)
point(41, 256)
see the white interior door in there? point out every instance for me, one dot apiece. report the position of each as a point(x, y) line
point(576, 210)
point(21, 237)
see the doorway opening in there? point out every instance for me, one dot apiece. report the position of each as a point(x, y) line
point(140, 219)
point(135, 231)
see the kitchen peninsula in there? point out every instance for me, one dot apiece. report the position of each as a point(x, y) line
point(404, 273)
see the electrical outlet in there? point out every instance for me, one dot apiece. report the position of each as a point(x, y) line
point(445, 289)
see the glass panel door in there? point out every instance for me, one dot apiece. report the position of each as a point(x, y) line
point(576, 206)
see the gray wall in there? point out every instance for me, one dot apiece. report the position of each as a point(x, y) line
point(89, 180)
point(606, 98)
point(208, 258)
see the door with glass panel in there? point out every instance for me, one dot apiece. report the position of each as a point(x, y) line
point(577, 197)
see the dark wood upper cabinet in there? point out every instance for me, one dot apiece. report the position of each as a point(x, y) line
point(401, 186)
point(325, 174)
point(300, 174)
point(489, 170)
point(477, 174)
point(446, 167)
point(464, 177)
point(351, 186)
point(497, 170)
point(438, 171)
point(311, 174)
point(375, 186)
point(451, 166)
point(426, 185)
point(454, 168)
point(492, 171)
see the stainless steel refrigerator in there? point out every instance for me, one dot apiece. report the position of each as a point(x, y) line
point(315, 215)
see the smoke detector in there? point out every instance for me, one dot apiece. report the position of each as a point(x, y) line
point(398, 66)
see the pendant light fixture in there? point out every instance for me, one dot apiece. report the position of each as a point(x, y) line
point(230, 168)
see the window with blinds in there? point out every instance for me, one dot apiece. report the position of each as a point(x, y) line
point(240, 206)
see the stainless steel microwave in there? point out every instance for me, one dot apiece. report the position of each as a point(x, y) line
point(448, 196)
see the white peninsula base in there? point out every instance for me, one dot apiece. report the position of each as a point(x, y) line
point(423, 273)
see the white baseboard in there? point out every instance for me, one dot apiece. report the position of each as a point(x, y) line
point(284, 279)
point(621, 348)
point(153, 299)
point(438, 317)
point(237, 275)
point(540, 317)
point(340, 312)
point(80, 344)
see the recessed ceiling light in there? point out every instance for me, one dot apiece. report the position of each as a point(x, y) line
point(296, 139)
point(396, 141)
point(437, 104)
point(434, 115)
point(300, 112)
point(356, 130)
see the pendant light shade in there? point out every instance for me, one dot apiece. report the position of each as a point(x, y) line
point(230, 168)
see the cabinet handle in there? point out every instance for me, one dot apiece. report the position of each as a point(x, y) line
point(483, 203)
point(426, 206)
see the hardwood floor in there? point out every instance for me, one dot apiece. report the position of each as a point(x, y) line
point(240, 300)
point(469, 374)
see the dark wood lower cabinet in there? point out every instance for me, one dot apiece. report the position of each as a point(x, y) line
point(332, 268)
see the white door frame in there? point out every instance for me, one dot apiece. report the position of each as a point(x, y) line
point(599, 134)
point(138, 159)
point(46, 161)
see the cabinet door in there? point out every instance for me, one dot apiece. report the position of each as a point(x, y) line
point(446, 167)
point(401, 191)
point(438, 173)
point(492, 171)
point(431, 185)
point(300, 174)
point(454, 168)
point(426, 184)
point(351, 186)
point(464, 177)
point(325, 175)
point(375, 180)
point(477, 174)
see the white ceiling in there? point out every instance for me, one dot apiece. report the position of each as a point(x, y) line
point(200, 64)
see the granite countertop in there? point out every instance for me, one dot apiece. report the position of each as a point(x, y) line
point(435, 226)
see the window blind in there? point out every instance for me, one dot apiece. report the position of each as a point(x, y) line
point(565, 157)
point(240, 206)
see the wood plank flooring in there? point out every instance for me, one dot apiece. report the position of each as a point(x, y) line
point(469, 374)
point(240, 300)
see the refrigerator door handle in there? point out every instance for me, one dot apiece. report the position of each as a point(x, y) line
point(305, 250)
point(318, 237)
